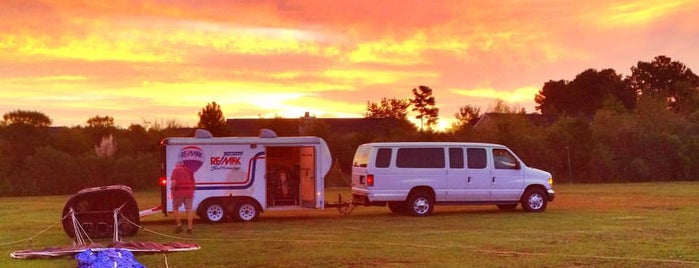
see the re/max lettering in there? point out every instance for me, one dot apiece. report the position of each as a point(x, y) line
point(225, 161)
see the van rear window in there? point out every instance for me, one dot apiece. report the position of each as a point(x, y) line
point(420, 158)
point(361, 157)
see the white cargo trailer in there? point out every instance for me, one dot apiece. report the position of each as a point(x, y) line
point(240, 177)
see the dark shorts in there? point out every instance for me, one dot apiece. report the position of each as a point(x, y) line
point(177, 202)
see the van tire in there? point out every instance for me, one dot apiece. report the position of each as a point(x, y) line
point(534, 200)
point(420, 204)
point(246, 211)
point(214, 211)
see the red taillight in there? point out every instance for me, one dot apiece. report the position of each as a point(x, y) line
point(370, 180)
point(163, 181)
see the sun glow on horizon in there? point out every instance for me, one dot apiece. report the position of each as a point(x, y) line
point(143, 60)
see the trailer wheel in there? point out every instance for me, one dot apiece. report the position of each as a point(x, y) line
point(214, 211)
point(247, 211)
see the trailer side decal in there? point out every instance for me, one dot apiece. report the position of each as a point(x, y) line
point(224, 185)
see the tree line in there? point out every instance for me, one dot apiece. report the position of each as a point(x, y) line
point(37, 159)
point(597, 127)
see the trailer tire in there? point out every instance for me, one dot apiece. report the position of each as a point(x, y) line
point(214, 211)
point(246, 211)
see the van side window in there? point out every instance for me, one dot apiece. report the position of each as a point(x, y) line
point(420, 158)
point(504, 159)
point(476, 158)
point(456, 158)
point(383, 158)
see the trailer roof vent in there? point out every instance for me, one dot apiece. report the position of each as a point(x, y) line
point(267, 133)
point(202, 134)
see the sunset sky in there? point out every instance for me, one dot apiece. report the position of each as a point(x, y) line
point(162, 60)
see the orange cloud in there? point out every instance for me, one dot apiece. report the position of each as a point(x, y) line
point(129, 58)
point(373, 77)
point(523, 94)
point(637, 12)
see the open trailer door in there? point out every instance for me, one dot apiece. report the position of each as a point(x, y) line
point(291, 176)
point(307, 176)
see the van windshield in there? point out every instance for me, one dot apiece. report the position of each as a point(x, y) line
point(361, 157)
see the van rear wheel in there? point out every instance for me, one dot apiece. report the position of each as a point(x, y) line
point(420, 204)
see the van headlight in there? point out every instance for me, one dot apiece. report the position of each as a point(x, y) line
point(551, 181)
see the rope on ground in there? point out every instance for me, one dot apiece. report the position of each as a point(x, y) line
point(165, 257)
point(281, 240)
point(639, 259)
point(31, 238)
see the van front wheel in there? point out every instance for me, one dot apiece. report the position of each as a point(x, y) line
point(534, 200)
point(420, 204)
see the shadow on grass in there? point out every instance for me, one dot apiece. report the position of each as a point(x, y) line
point(359, 213)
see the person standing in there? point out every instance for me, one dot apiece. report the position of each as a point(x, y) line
point(182, 194)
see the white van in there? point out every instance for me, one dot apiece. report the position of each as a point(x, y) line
point(242, 176)
point(412, 177)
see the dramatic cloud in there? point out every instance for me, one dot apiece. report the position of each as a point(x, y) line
point(150, 60)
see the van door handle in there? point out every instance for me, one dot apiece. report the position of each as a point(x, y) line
point(493, 179)
point(468, 180)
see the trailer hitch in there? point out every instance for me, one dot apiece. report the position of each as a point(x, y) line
point(345, 208)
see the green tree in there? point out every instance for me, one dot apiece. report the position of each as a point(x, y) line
point(424, 104)
point(211, 118)
point(388, 108)
point(467, 115)
point(500, 106)
point(100, 127)
point(659, 77)
point(585, 94)
point(570, 139)
point(392, 114)
point(688, 100)
point(29, 118)
point(21, 133)
point(100, 122)
point(553, 97)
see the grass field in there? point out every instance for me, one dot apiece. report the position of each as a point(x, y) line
point(611, 225)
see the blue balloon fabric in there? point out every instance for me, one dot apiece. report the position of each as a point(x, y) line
point(113, 258)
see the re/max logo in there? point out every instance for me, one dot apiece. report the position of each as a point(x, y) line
point(228, 159)
point(190, 153)
point(225, 160)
